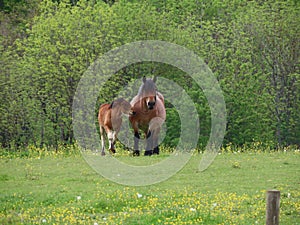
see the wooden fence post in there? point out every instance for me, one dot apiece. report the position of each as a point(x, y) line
point(273, 204)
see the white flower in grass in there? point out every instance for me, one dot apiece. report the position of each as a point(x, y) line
point(214, 205)
point(44, 220)
point(139, 195)
point(192, 209)
point(78, 197)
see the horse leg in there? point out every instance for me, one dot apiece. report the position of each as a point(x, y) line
point(110, 135)
point(149, 146)
point(154, 126)
point(155, 142)
point(136, 151)
point(102, 141)
point(114, 141)
point(156, 150)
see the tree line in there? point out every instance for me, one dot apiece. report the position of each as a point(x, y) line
point(252, 47)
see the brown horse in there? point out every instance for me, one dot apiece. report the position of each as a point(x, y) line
point(110, 121)
point(149, 116)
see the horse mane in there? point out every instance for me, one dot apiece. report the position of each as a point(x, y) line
point(140, 90)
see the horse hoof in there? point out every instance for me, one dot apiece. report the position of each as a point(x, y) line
point(136, 153)
point(103, 153)
point(113, 151)
point(148, 153)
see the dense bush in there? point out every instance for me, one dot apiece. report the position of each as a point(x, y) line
point(252, 48)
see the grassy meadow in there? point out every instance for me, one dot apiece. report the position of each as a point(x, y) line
point(55, 187)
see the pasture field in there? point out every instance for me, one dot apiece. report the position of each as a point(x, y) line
point(56, 188)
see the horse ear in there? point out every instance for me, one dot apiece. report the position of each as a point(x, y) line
point(154, 79)
point(111, 105)
point(144, 79)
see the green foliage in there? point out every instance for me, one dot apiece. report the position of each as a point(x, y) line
point(251, 46)
point(275, 34)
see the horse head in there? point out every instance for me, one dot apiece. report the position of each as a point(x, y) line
point(123, 105)
point(148, 92)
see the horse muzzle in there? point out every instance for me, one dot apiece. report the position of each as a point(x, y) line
point(150, 105)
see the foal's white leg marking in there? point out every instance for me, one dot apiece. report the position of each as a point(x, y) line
point(114, 136)
point(103, 144)
point(102, 141)
point(110, 136)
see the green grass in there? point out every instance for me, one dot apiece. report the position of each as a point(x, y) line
point(58, 189)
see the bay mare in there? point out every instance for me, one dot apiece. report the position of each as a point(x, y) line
point(150, 114)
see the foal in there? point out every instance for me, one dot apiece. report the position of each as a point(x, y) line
point(110, 121)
